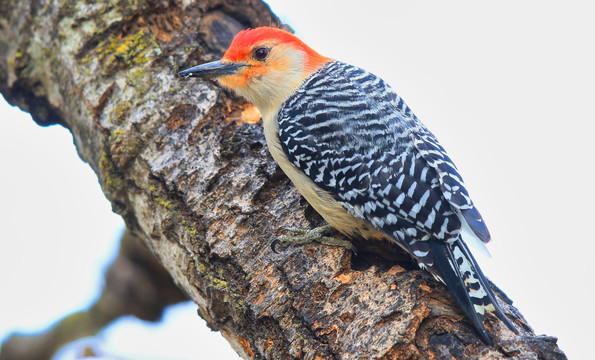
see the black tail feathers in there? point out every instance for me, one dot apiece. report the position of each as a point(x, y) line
point(463, 277)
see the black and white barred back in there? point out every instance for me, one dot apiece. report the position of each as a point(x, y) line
point(351, 134)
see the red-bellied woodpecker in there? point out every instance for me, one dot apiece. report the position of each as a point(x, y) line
point(360, 157)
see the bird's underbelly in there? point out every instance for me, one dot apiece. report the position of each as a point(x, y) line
point(329, 208)
point(322, 201)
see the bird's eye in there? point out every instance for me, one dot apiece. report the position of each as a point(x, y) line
point(261, 53)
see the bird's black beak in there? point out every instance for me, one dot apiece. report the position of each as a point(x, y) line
point(211, 69)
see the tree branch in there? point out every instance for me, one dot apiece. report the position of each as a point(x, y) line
point(186, 165)
point(135, 284)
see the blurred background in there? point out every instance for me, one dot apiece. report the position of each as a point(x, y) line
point(508, 89)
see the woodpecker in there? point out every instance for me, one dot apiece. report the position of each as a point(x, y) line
point(361, 158)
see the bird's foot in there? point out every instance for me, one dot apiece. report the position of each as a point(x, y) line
point(306, 236)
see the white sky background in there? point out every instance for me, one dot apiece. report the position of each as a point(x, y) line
point(507, 87)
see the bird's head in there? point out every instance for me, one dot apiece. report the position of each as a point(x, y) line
point(265, 65)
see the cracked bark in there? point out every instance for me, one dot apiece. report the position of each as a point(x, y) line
point(186, 165)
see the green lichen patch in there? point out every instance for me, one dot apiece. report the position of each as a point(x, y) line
point(214, 278)
point(125, 146)
point(127, 52)
point(111, 178)
point(120, 112)
point(139, 79)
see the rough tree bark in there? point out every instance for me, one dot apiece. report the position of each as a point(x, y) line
point(186, 165)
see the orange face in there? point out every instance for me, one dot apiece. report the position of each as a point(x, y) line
point(249, 56)
point(262, 64)
point(264, 50)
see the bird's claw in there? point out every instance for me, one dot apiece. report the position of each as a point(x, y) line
point(275, 246)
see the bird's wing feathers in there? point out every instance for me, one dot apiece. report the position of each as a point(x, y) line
point(355, 138)
point(451, 183)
